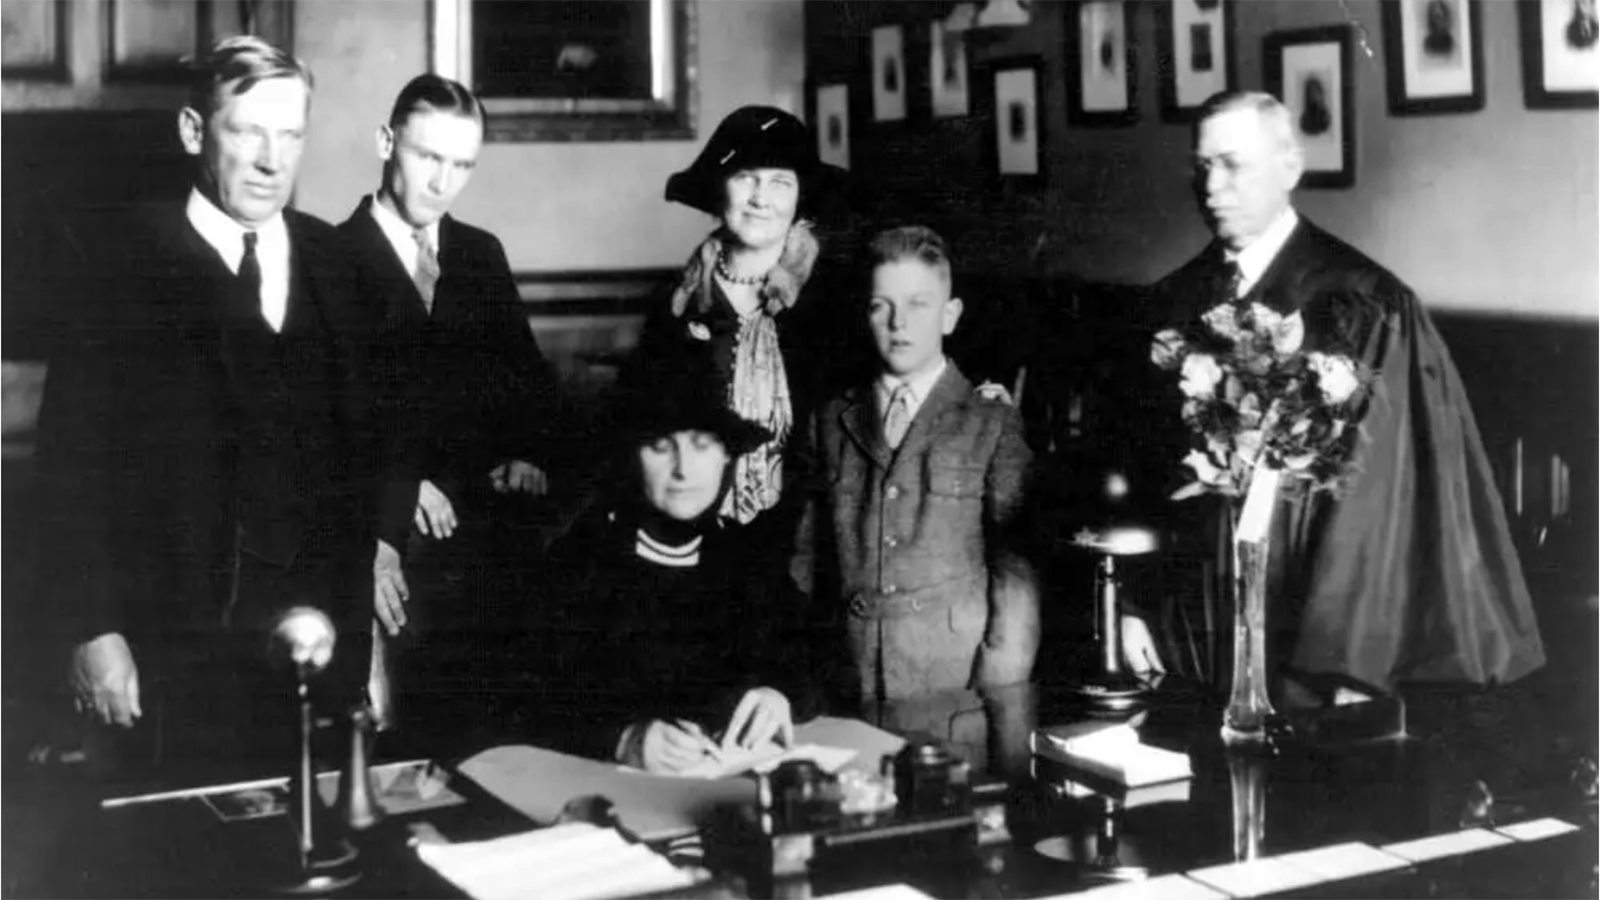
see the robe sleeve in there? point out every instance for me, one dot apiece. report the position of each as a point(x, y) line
point(1413, 576)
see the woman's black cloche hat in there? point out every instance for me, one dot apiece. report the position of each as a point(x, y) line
point(682, 393)
point(755, 137)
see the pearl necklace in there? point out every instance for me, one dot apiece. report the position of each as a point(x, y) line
point(728, 276)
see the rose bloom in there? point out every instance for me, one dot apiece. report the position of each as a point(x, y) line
point(1166, 348)
point(1201, 375)
point(1336, 376)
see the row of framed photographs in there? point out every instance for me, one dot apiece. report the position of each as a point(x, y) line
point(1434, 50)
point(1435, 66)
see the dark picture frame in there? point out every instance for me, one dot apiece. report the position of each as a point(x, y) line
point(38, 34)
point(1553, 76)
point(1434, 55)
point(129, 23)
point(598, 93)
point(1312, 71)
point(1102, 89)
point(1011, 111)
point(1195, 54)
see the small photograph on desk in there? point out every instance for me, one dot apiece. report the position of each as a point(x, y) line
point(250, 803)
point(413, 787)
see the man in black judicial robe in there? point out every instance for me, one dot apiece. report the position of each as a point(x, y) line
point(468, 412)
point(1411, 576)
point(203, 439)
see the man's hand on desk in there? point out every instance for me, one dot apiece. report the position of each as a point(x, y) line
point(389, 591)
point(435, 515)
point(1138, 649)
point(517, 476)
point(763, 714)
point(105, 681)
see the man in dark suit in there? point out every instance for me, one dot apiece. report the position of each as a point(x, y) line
point(1410, 576)
point(469, 401)
point(203, 438)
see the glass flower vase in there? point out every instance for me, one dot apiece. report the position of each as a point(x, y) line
point(1249, 712)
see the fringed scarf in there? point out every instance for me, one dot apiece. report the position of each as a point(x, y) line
point(759, 389)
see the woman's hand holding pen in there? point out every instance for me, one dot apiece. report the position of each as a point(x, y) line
point(672, 747)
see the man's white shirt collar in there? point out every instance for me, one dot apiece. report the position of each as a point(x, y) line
point(226, 236)
point(400, 233)
point(921, 386)
point(1254, 259)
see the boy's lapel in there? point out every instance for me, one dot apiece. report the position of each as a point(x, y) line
point(859, 419)
point(950, 392)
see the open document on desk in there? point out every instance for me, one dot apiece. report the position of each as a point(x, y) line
point(538, 783)
point(577, 861)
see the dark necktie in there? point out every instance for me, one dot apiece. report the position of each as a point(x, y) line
point(427, 267)
point(250, 269)
point(1229, 281)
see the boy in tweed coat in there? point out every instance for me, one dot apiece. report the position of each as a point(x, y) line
point(908, 540)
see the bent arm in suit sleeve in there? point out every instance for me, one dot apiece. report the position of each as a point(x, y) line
point(1011, 639)
point(86, 472)
point(531, 416)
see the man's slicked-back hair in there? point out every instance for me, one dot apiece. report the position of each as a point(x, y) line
point(1275, 117)
point(241, 61)
point(434, 93)
point(918, 242)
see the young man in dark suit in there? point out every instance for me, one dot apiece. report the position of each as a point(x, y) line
point(1411, 575)
point(469, 402)
point(204, 438)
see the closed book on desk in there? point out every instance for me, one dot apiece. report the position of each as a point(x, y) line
point(1110, 751)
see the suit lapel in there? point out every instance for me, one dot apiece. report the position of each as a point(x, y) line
point(859, 419)
point(391, 268)
point(1278, 287)
point(950, 392)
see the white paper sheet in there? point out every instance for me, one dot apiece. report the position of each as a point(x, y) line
point(1341, 861)
point(1256, 877)
point(568, 862)
point(1164, 887)
point(1537, 829)
point(1441, 845)
point(769, 757)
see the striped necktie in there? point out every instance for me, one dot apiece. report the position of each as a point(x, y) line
point(427, 276)
point(250, 269)
point(897, 418)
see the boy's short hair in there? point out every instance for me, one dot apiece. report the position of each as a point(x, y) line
point(918, 242)
point(243, 61)
point(434, 93)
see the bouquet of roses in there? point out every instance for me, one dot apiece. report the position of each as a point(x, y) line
point(1251, 398)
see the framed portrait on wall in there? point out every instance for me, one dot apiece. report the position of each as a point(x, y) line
point(34, 40)
point(1100, 76)
point(832, 115)
point(947, 70)
point(1434, 50)
point(1012, 103)
point(1311, 71)
point(1195, 54)
point(573, 70)
point(888, 74)
point(1560, 56)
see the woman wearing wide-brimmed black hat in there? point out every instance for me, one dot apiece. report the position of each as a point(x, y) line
point(742, 301)
point(674, 643)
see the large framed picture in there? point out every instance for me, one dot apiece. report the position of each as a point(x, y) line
point(947, 70)
point(1017, 146)
point(888, 74)
point(34, 40)
point(573, 70)
point(1195, 54)
point(1100, 68)
point(1560, 56)
point(1311, 71)
point(1435, 56)
point(832, 117)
